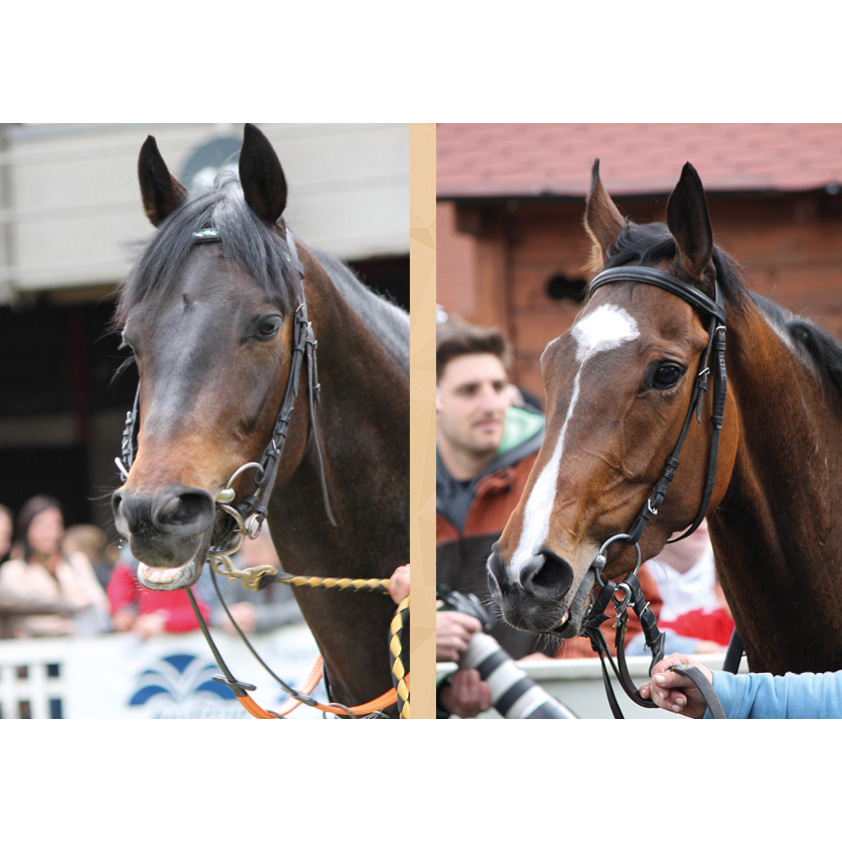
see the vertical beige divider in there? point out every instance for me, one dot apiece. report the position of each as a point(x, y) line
point(422, 389)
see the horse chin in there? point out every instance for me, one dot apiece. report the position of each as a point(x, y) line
point(159, 576)
point(572, 621)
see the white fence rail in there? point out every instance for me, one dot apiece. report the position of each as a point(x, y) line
point(170, 677)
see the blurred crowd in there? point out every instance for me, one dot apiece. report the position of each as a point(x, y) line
point(57, 580)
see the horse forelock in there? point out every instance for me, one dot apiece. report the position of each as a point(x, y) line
point(257, 250)
point(652, 243)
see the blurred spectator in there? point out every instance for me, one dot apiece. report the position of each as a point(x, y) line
point(255, 611)
point(146, 612)
point(90, 540)
point(46, 592)
point(685, 575)
point(6, 527)
point(485, 448)
point(693, 615)
point(702, 630)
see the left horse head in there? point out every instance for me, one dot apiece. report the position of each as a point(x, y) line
point(209, 313)
point(621, 387)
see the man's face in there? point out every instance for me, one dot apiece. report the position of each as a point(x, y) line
point(471, 401)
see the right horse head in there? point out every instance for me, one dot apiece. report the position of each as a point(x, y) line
point(619, 386)
point(209, 313)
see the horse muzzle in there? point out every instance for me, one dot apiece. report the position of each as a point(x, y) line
point(540, 598)
point(169, 533)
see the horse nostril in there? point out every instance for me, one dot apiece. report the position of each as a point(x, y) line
point(546, 576)
point(179, 511)
point(126, 511)
point(496, 571)
point(191, 510)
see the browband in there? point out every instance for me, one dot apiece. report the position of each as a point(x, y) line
point(654, 277)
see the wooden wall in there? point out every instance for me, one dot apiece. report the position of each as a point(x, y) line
point(494, 261)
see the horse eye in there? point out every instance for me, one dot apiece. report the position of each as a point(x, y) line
point(268, 328)
point(666, 375)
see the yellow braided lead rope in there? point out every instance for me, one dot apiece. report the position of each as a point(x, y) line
point(250, 578)
point(399, 622)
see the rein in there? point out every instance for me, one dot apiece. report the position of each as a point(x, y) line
point(245, 519)
point(628, 594)
point(398, 695)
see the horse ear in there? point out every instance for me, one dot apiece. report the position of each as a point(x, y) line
point(603, 221)
point(160, 191)
point(261, 176)
point(689, 224)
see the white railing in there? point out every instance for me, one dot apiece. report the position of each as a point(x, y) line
point(119, 676)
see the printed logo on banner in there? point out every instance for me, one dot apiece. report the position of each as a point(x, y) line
point(181, 686)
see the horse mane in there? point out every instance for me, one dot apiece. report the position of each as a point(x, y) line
point(652, 242)
point(817, 343)
point(388, 323)
point(245, 239)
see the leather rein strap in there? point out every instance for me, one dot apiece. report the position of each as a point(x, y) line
point(712, 362)
point(398, 631)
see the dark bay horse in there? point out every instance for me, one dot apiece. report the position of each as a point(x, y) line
point(619, 386)
point(214, 312)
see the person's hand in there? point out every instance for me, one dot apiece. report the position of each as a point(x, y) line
point(675, 692)
point(123, 620)
point(399, 584)
point(453, 634)
point(244, 616)
point(149, 625)
point(467, 695)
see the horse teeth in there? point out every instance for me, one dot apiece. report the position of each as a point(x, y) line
point(159, 575)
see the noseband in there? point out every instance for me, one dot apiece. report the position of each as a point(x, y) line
point(628, 594)
point(245, 518)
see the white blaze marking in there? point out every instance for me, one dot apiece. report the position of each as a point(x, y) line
point(605, 328)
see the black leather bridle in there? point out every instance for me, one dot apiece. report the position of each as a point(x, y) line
point(627, 594)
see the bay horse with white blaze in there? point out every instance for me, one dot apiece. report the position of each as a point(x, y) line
point(626, 462)
point(222, 313)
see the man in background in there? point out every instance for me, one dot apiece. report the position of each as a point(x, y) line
point(486, 443)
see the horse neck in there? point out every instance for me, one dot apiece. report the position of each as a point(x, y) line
point(362, 423)
point(363, 416)
point(775, 533)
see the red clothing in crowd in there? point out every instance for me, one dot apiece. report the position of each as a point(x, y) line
point(125, 592)
point(716, 625)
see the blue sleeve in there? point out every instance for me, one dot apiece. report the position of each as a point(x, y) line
point(792, 696)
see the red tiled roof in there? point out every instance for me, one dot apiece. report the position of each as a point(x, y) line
point(476, 160)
